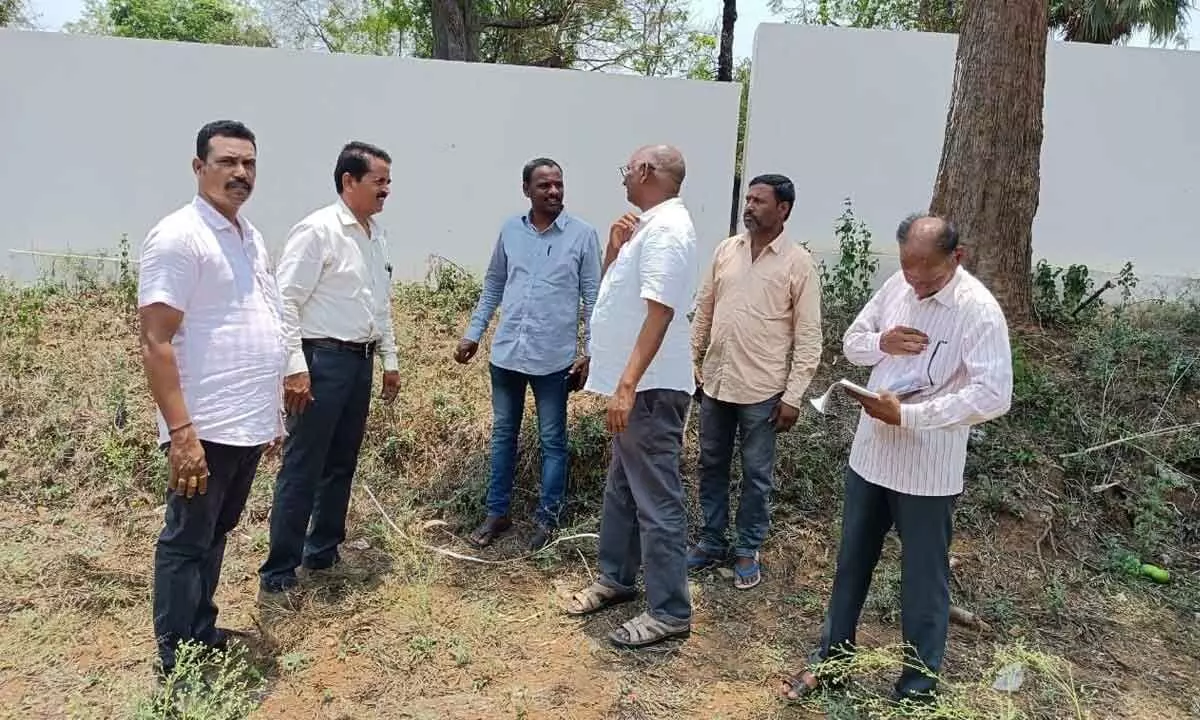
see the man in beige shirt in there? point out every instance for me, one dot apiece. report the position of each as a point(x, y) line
point(756, 342)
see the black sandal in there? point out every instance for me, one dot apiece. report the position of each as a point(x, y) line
point(490, 529)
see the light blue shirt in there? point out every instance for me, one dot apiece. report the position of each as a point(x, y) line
point(538, 280)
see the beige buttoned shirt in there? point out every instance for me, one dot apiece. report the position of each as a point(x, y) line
point(757, 328)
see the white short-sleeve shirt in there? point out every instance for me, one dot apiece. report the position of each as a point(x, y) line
point(229, 347)
point(658, 263)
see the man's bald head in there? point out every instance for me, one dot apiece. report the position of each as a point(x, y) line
point(666, 161)
point(653, 175)
point(929, 252)
point(929, 233)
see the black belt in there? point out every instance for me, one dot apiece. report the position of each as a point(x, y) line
point(366, 349)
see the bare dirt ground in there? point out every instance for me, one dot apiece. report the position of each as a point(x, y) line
point(405, 633)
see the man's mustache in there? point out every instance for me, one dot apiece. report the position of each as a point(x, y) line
point(238, 184)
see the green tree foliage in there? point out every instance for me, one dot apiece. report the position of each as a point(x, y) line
point(222, 22)
point(13, 13)
point(1092, 21)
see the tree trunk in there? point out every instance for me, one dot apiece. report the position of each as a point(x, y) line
point(725, 56)
point(455, 30)
point(988, 179)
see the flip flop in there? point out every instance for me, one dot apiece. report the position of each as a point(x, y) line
point(746, 578)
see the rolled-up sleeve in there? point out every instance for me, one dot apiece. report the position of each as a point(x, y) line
point(663, 265)
point(169, 269)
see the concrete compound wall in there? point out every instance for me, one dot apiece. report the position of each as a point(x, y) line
point(99, 135)
point(862, 113)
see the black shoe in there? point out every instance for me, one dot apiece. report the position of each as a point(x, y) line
point(541, 537)
point(926, 697)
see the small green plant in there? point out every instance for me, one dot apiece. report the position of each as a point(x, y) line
point(205, 685)
point(127, 276)
point(847, 285)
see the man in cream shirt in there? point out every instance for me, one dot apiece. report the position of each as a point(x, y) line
point(641, 360)
point(335, 283)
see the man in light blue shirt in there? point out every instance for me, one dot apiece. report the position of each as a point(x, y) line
point(545, 266)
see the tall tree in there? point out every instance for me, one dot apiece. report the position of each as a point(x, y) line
point(725, 56)
point(989, 176)
point(222, 22)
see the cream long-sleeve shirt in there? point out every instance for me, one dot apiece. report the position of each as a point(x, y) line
point(334, 281)
point(969, 361)
point(757, 328)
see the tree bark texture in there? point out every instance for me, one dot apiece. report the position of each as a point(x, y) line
point(989, 176)
point(725, 55)
point(455, 30)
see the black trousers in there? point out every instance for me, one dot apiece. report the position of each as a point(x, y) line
point(925, 526)
point(191, 547)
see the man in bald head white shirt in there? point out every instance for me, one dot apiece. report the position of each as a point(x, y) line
point(938, 343)
point(642, 361)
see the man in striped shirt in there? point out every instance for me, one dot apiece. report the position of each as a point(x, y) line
point(938, 344)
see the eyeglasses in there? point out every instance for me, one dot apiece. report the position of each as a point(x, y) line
point(626, 171)
point(906, 389)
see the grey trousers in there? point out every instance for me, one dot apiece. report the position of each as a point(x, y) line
point(925, 525)
point(644, 521)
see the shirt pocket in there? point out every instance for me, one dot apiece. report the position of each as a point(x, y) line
point(561, 268)
point(771, 298)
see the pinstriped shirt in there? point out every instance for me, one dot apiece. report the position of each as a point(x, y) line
point(966, 372)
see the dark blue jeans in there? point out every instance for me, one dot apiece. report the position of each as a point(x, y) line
point(508, 408)
point(320, 455)
point(720, 424)
point(191, 547)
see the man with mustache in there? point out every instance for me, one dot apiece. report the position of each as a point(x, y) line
point(211, 348)
point(546, 264)
point(756, 343)
point(335, 281)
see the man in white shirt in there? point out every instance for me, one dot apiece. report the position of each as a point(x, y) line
point(938, 343)
point(213, 356)
point(641, 360)
point(335, 281)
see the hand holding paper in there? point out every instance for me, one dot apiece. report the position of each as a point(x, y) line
point(822, 403)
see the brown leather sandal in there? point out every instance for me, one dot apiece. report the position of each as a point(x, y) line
point(799, 685)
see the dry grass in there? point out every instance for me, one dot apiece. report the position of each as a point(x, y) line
point(409, 634)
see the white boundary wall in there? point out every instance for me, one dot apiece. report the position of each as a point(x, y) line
point(99, 135)
point(862, 113)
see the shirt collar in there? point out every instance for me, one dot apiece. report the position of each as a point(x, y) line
point(947, 295)
point(212, 217)
point(560, 222)
point(660, 208)
point(775, 246)
point(347, 217)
